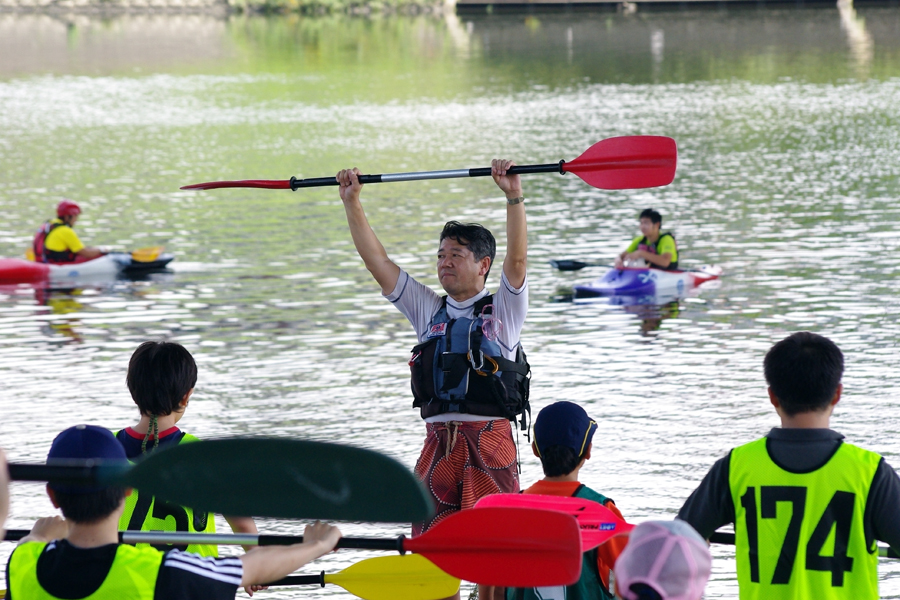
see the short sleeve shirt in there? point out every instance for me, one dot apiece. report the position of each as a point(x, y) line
point(63, 238)
point(419, 303)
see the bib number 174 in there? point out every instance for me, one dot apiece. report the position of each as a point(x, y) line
point(838, 515)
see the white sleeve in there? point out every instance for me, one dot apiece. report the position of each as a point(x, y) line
point(416, 301)
point(511, 305)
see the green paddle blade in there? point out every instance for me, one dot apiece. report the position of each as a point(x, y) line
point(409, 577)
point(297, 480)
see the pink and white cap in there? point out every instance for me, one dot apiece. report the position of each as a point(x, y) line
point(668, 556)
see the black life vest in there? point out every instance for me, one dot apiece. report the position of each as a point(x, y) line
point(645, 245)
point(41, 254)
point(458, 369)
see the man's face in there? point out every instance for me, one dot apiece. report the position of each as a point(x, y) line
point(648, 227)
point(458, 271)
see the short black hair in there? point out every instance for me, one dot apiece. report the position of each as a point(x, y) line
point(475, 237)
point(651, 214)
point(159, 376)
point(559, 460)
point(804, 371)
point(91, 507)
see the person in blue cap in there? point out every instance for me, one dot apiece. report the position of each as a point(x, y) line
point(80, 556)
point(562, 437)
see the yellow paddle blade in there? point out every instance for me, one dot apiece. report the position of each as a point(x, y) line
point(29, 255)
point(147, 254)
point(407, 577)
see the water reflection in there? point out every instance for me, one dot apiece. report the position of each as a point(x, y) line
point(788, 177)
point(858, 38)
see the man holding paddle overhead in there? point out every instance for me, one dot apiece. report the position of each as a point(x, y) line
point(469, 372)
point(807, 507)
point(80, 557)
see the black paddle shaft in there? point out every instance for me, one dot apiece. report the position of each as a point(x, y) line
point(395, 544)
point(451, 174)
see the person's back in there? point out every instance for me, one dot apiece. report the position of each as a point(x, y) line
point(562, 440)
point(161, 378)
point(79, 557)
point(807, 506)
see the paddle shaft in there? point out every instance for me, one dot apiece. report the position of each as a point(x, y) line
point(296, 184)
point(89, 473)
point(234, 539)
point(722, 537)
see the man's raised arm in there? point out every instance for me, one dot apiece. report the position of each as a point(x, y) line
point(516, 229)
point(367, 245)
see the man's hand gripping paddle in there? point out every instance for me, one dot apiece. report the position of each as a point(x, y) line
point(515, 547)
point(619, 163)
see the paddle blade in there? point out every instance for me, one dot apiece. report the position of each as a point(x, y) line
point(296, 479)
point(268, 184)
point(147, 254)
point(631, 162)
point(514, 547)
point(598, 524)
point(409, 577)
point(570, 265)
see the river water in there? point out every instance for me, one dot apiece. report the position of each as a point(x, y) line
point(788, 129)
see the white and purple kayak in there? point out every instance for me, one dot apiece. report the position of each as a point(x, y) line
point(642, 281)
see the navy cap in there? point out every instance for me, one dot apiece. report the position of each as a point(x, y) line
point(564, 424)
point(80, 443)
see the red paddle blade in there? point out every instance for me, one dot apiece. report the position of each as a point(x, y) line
point(598, 524)
point(513, 547)
point(269, 184)
point(631, 162)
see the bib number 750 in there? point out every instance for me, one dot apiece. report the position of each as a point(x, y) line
point(838, 514)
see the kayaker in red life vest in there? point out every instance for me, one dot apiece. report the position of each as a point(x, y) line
point(659, 250)
point(56, 240)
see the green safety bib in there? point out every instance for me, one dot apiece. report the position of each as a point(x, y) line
point(146, 513)
point(800, 536)
point(132, 574)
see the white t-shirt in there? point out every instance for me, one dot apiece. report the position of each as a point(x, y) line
point(419, 303)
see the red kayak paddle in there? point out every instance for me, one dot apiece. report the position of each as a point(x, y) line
point(598, 524)
point(629, 162)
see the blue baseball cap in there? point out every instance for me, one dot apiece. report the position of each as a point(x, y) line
point(80, 443)
point(564, 424)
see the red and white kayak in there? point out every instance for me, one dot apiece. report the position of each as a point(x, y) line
point(17, 270)
point(642, 281)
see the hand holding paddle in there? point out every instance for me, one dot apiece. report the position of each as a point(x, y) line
point(516, 547)
point(619, 163)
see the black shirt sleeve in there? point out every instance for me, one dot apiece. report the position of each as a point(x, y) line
point(710, 506)
point(188, 576)
point(882, 507)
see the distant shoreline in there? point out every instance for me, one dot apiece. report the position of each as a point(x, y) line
point(409, 7)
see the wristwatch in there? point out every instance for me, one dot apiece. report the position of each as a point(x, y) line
point(515, 200)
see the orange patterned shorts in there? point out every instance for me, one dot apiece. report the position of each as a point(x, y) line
point(463, 461)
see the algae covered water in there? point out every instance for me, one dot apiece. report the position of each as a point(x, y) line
point(789, 140)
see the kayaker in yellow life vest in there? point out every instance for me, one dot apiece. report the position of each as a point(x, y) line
point(658, 249)
point(56, 240)
point(161, 378)
point(807, 507)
